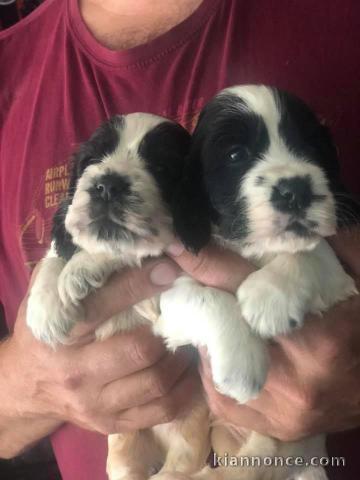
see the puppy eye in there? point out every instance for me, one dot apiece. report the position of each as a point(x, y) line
point(240, 153)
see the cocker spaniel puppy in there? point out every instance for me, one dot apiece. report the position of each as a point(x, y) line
point(120, 209)
point(266, 171)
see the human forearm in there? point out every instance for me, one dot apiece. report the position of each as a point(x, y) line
point(18, 429)
point(18, 434)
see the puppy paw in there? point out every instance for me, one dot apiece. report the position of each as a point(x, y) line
point(46, 316)
point(210, 318)
point(240, 372)
point(80, 277)
point(270, 304)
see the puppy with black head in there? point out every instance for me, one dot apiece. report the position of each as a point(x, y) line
point(119, 210)
point(264, 172)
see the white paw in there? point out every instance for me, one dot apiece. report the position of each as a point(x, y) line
point(79, 278)
point(207, 317)
point(46, 316)
point(240, 372)
point(271, 305)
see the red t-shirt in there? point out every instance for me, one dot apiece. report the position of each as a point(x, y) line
point(57, 83)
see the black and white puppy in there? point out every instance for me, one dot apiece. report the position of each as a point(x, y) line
point(267, 170)
point(121, 208)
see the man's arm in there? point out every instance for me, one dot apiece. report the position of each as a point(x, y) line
point(124, 383)
point(18, 433)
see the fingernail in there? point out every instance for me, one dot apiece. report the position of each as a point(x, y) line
point(175, 249)
point(163, 274)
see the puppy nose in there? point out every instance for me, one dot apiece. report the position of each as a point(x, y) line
point(111, 187)
point(291, 195)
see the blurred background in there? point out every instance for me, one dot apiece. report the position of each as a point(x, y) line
point(11, 11)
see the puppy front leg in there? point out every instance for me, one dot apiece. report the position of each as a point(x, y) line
point(83, 274)
point(55, 299)
point(207, 317)
point(45, 315)
point(275, 299)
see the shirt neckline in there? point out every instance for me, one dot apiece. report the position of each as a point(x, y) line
point(143, 54)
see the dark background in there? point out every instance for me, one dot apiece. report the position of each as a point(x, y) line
point(11, 13)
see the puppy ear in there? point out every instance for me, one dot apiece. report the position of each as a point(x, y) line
point(63, 243)
point(103, 141)
point(179, 178)
point(191, 208)
point(64, 246)
point(61, 238)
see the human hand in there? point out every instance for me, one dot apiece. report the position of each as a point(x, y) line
point(129, 381)
point(313, 382)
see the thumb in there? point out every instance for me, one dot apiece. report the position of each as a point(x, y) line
point(213, 266)
point(125, 289)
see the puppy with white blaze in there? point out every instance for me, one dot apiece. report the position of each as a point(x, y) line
point(268, 171)
point(121, 208)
